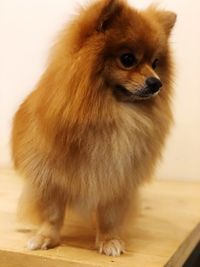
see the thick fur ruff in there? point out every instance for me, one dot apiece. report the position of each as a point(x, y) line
point(73, 141)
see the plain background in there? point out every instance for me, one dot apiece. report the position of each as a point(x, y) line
point(27, 31)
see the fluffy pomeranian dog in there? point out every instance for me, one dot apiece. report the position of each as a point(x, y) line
point(94, 127)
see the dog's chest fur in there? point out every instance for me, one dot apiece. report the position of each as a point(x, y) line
point(113, 162)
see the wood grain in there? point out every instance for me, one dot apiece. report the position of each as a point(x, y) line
point(164, 234)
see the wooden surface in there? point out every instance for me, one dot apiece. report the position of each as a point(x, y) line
point(164, 234)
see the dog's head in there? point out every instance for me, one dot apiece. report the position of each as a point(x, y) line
point(131, 47)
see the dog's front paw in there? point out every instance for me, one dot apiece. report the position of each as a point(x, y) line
point(112, 247)
point(42, 242)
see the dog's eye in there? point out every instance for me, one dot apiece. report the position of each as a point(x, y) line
point(155, 64)
point(128, 60)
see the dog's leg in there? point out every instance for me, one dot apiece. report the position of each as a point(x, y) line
point(110, 219)
point(48, 235)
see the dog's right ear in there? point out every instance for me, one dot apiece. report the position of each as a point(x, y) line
point(110, 10)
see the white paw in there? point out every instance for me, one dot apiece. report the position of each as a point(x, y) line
point(113, 247)
point(41, 242)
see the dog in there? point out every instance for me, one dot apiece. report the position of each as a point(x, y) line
point(91, 132)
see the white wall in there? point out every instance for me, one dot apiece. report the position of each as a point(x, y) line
point(27, 30)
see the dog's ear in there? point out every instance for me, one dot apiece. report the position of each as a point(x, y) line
point(167, 19)
point(110, 10)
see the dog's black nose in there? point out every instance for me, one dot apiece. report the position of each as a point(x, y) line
point(153, 84)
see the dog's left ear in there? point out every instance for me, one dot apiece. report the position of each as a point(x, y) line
point(110, 10)
point(167, 19)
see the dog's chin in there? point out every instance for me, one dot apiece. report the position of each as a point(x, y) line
point(125, 95)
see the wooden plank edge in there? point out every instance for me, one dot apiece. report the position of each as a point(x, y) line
point(185, 249)
point(20, 259)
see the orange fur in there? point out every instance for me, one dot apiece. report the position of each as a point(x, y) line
point(76, 143)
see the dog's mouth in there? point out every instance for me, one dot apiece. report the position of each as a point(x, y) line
point(123, 94)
